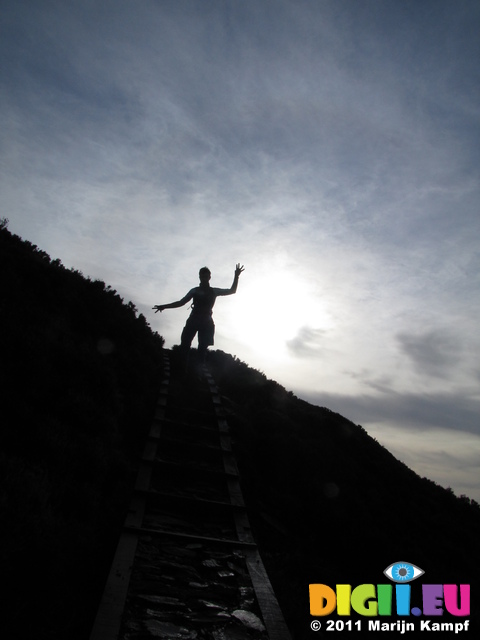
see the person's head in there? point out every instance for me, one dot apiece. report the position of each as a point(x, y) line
point(204, 275)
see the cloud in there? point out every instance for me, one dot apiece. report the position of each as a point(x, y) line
point(372, 379)
point(308, 343)
point(413, 411)
point(433, 352)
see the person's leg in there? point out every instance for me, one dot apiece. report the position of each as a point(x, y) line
point(189, 330)
point(206, 334)
point(188, 333)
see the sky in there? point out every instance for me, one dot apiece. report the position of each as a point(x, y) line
point(330, 146)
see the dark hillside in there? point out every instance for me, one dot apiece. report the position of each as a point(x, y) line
point(330, 504)
point(79, 379)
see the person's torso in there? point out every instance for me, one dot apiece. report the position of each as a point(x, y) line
point(203, 300)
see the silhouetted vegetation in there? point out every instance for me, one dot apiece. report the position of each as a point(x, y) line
point(79, 379)
point(329, 504)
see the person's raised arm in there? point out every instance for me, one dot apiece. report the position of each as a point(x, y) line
point(238, 270)
point(174, 305)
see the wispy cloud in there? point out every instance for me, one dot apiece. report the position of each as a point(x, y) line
point(307, 343)
point(433, 352)
point(410, 410)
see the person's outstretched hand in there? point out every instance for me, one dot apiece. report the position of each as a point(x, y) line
point(239, 269)
point(158, 307)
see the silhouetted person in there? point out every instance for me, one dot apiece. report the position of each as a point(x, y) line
point(200, 320)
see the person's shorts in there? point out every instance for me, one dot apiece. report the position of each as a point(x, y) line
point(204, 326)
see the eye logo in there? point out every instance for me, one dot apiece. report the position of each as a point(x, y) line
point(403, 572)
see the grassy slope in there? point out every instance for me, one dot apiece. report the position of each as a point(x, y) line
point(79, 379)
point(330, 504)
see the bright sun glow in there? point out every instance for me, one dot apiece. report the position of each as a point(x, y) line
point(272, 310)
